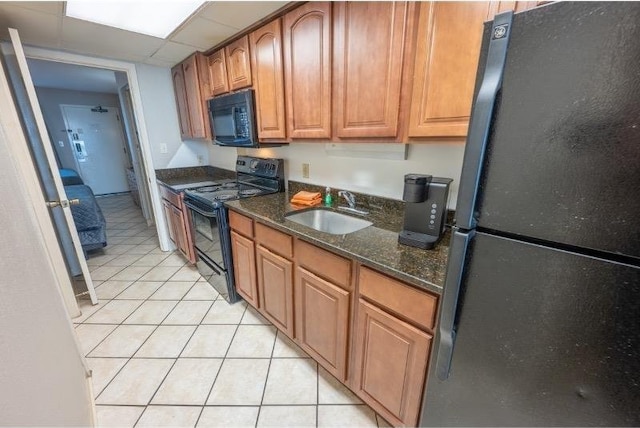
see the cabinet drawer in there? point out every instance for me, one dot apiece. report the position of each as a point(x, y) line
point(276, 241)
point(324, 263)
point(406, 301)
point(241, 224)
point(170, 196)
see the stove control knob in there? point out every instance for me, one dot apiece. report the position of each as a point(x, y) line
point(254, 164)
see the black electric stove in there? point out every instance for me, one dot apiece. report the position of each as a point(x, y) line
point(210, 220)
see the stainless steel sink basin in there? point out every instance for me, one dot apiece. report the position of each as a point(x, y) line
point(328, 221)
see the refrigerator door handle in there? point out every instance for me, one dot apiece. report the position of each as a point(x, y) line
point(455, 269)
point(481, 120)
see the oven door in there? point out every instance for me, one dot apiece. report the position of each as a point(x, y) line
point(206, 235)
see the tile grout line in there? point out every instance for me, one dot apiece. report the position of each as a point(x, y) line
point(266, 379)
point(223, 359)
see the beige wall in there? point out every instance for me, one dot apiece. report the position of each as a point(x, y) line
point(42, 379)
point(380, 177)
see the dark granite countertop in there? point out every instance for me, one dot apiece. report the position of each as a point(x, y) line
point(375, 246)
point(197, 174)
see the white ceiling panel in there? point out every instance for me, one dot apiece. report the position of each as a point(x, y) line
point(102, 40)
point(52, 7)
point(50, 74)
point(175, 52)
point(38, 28)
point(42, 24)
point(203, 33)
point(240, 14)
point(160, 62)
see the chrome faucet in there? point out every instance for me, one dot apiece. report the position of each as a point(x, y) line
point(350, 198)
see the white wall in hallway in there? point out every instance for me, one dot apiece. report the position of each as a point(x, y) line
point(380, 177)
point(50, 100)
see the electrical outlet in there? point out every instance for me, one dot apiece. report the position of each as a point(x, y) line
point(163, 148)
point(305, 170)
point(200, 159)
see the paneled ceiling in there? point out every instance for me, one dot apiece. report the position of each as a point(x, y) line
point(43, 24)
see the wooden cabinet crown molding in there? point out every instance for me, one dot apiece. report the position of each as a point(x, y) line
point(307, 70)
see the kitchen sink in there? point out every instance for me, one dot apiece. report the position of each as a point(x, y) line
point(328, 221)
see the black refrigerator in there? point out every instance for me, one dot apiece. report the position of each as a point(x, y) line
point(540, 315)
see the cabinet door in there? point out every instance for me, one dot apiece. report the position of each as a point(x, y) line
point(448, 46)
point(177, 75)
point(244, 267)
point(192, 85)
point(179, 230)
point(390, 364)
point(238, 63)
point(275, 285)
point(307, 70)
point(266, 65)
point(322, 321)
point(218, 73)
point(369, 42)
point(168, 215)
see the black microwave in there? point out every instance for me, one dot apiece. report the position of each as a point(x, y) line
point(233, 119)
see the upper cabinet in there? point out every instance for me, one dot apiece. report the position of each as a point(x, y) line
point(191, 87)
point(217, 66)
point(449, 38)
point(238, 64)
point(266, 64)
point(307, 70)
point(369, 42)
point(447, 51)
point(177, 75)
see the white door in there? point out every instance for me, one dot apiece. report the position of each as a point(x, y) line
point(63, 203)
point(98, 143)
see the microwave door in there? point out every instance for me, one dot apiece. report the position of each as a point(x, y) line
point(224, 124)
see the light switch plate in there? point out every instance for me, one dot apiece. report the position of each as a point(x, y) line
point(305, 170)
point(163, 148)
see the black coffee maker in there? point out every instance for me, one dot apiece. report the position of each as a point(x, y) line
point(425, 210)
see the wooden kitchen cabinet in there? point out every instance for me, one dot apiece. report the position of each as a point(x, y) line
point(322, 321)
point(323, 289)
point(191, 88)
point(178, 222)
point(307, 70)
point(177, 75)
point(275, 276)
point(265, 45)
point(275, 285)
point(391, 359)
point(217, 67)
point(393, 335)
point(448, 46)
point(238, 63)
point(368, 53)
point(244, 267)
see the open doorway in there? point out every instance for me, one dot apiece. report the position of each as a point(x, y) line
point(90, 118)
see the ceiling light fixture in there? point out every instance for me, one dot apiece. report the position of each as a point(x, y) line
point(158, 18)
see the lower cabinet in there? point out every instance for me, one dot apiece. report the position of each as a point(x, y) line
point(373, 334)
point(322, 321)
point(244, 267)
point(178, 223)
point(275, 288)
point(390, 364)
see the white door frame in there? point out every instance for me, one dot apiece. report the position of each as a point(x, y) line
point(145, 145)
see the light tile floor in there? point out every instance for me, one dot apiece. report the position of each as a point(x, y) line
point(166, 351)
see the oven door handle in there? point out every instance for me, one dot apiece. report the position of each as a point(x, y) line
point(200, 211)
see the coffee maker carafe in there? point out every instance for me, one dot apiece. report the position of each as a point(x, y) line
point(425, 210)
